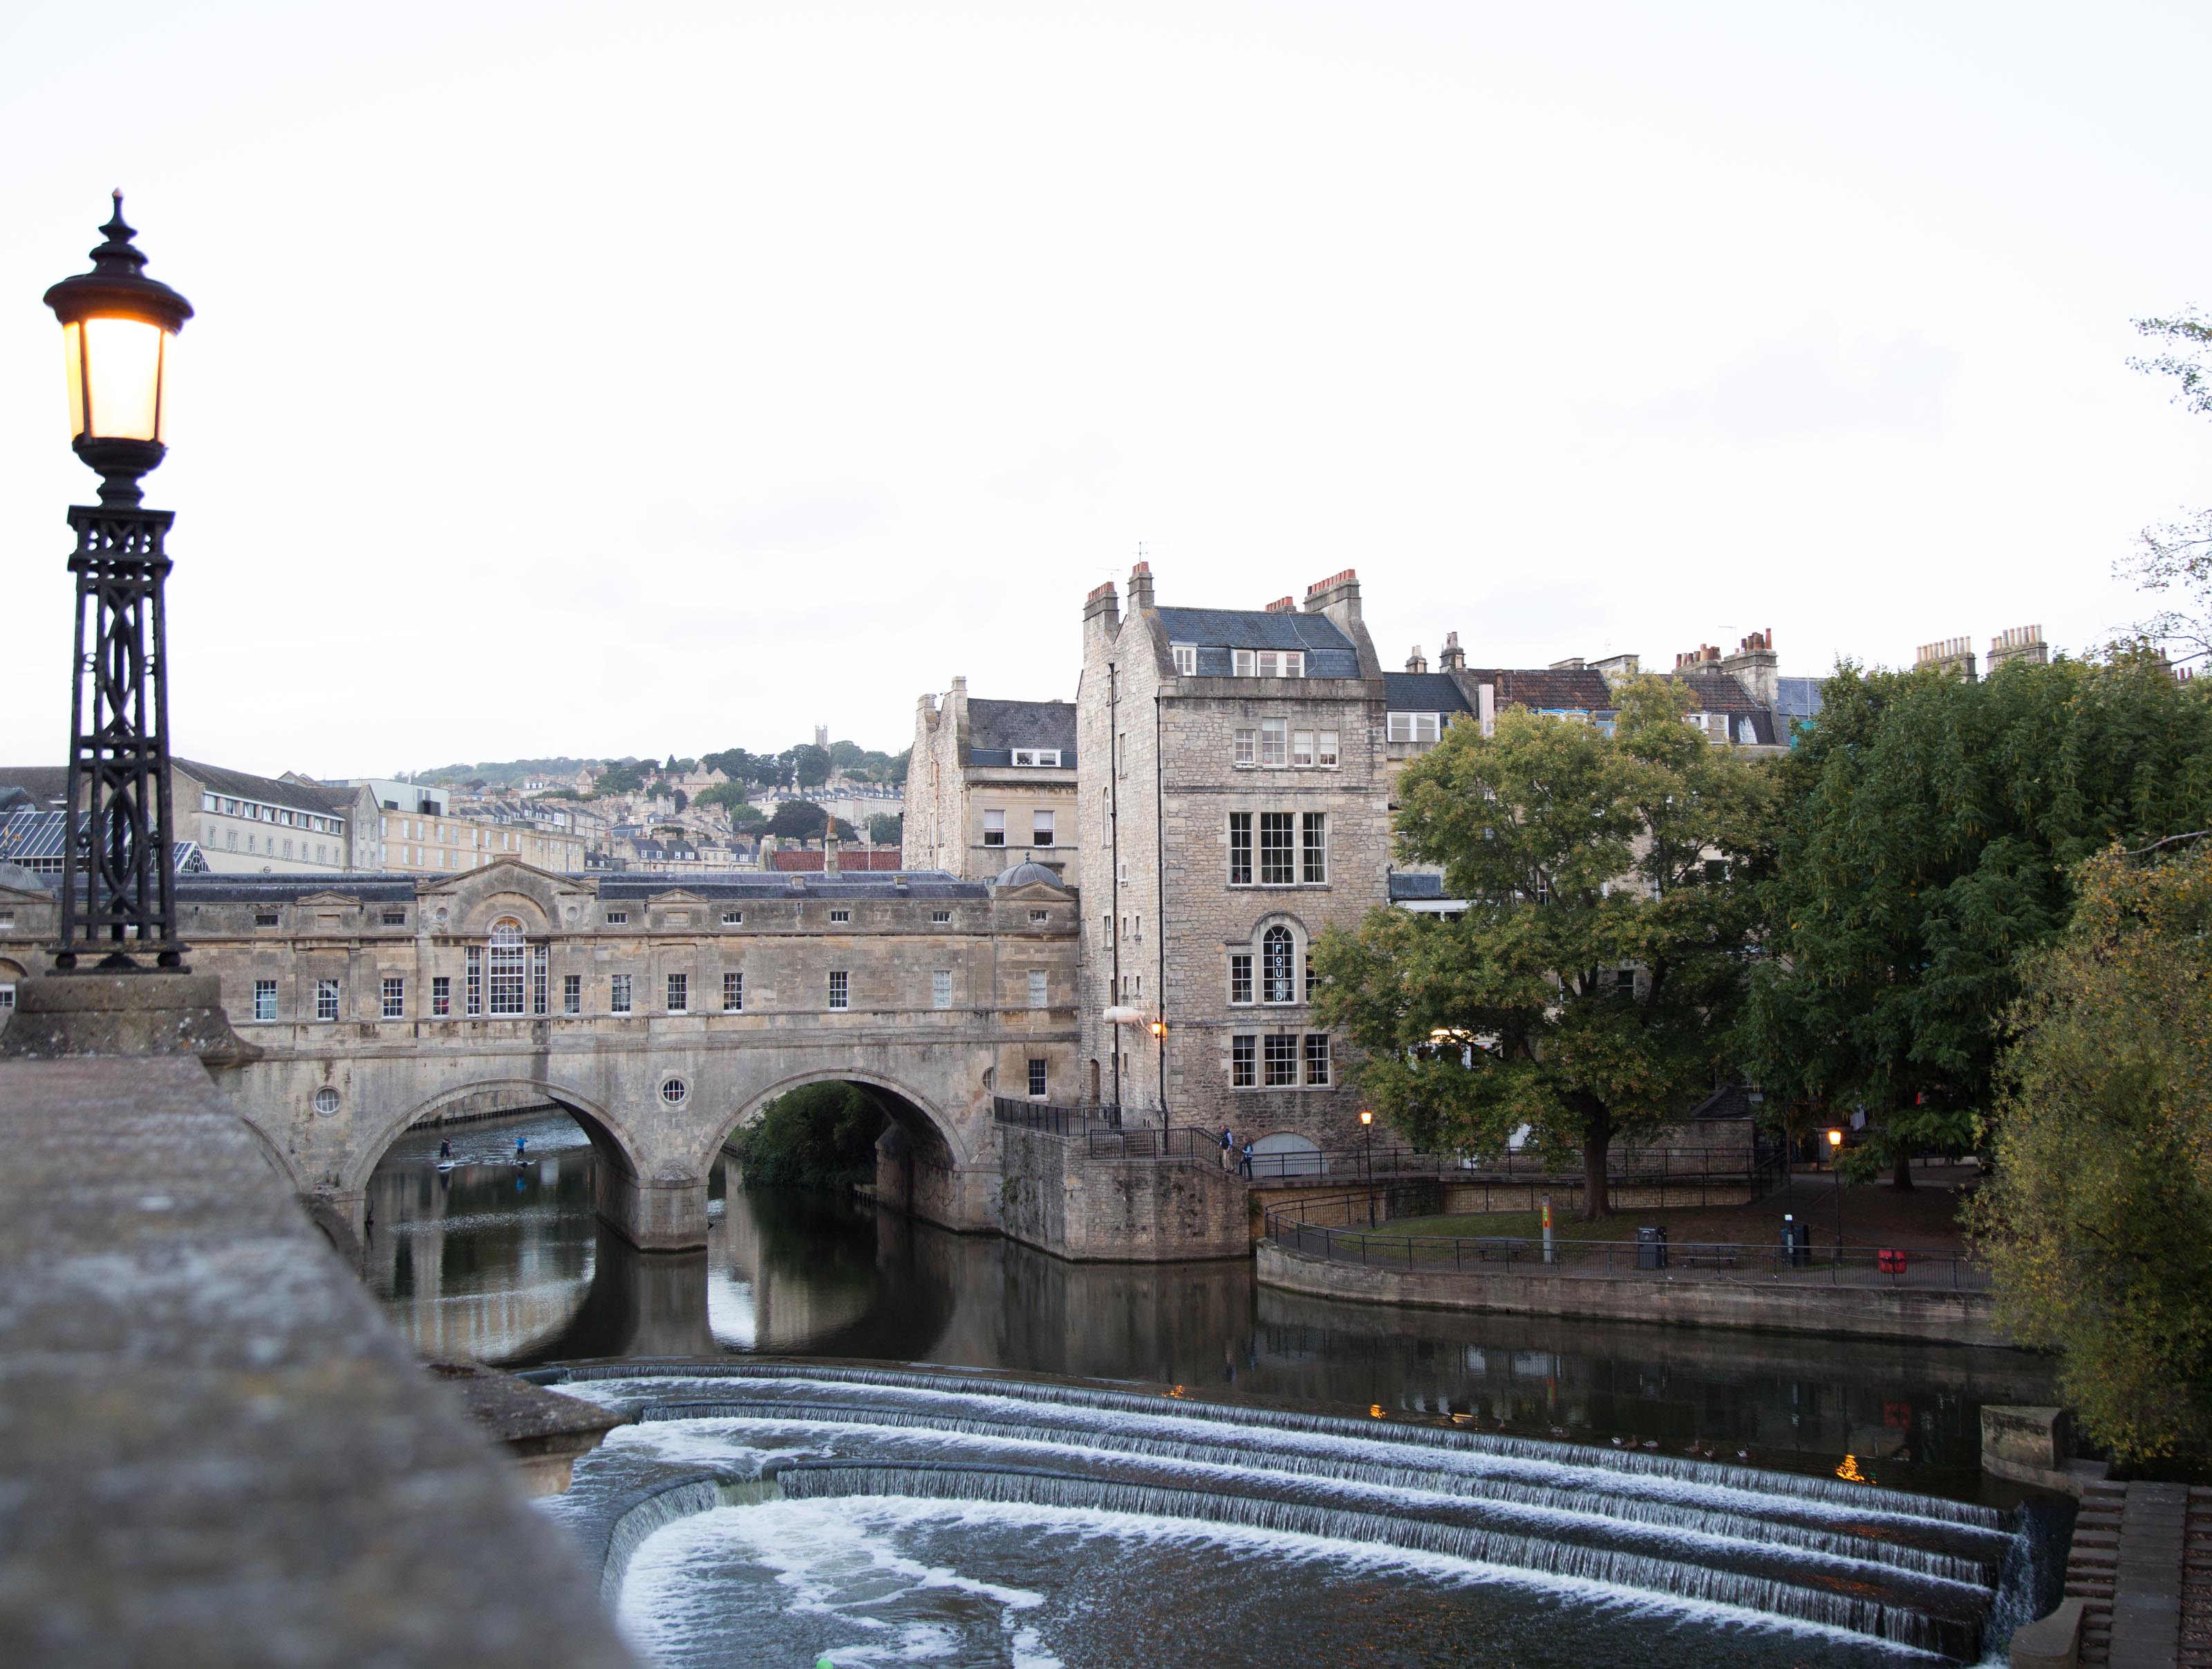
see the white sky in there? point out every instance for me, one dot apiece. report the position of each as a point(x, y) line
point(623, 379)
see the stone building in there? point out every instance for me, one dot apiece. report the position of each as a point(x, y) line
point(245, 824)
point(1233, 802)
point(991, 784)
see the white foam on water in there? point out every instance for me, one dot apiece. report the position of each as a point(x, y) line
point(1560, 1472)
point(814, 1547)
point(722, 1437)
point(829, 1563)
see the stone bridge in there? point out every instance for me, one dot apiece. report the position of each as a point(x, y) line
point(662, 1011)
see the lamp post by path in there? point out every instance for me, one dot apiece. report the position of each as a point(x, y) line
point(1367, 1140)
point(118, 901)
point(1835, 1156)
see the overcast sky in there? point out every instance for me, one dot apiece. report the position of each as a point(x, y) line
point(606, 379)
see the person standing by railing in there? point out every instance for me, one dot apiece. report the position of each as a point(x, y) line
point(1228, 1146)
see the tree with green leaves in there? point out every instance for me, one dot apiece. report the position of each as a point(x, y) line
point(622, 776)
point(2094, 1222)
point(886, 828)
point(729, 794)
point(1927, 829)
point(802, 819)
point(1588, 991)
point(807, 764)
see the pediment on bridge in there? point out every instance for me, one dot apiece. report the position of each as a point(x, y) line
point(678, 895)
point(328, 900)
point(17, 896)
point(467, 903)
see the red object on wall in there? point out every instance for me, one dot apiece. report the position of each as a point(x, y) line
point(1889, 1262)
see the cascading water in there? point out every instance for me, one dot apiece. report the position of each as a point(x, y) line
point(971, 1517)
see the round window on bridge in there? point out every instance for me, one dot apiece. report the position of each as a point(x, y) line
point(326, 1101)
point(673, 1090)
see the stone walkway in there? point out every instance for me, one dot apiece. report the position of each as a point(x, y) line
point(2141, 1563)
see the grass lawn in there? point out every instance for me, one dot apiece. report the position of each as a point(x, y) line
point(1874, 1215)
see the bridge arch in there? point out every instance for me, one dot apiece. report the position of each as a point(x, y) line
point(611, 1137)
point(923, 1122)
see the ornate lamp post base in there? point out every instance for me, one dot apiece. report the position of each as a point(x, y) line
point(149, 1011)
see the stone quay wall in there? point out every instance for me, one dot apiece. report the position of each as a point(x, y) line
point(1927, 1315)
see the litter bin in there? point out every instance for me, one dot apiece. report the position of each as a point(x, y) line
point(1797, 1243)
point(1651, 1247)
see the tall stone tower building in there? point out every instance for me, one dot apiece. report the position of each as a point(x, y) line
point(1233, 803)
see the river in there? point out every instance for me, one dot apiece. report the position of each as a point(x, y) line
point(506, 1263)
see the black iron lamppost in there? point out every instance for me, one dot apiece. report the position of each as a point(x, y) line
point(1835, 1158)
point(1367, 1146)
point(117, 326)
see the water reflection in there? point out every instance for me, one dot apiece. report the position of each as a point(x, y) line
point(508, 1264)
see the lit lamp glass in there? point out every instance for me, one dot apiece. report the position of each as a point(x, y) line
point(1835, 1139)
point(118, 331)
point(117, 376)
point(1366, 1117)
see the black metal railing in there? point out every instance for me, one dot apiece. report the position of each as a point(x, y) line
point(1762, 1168)
point(1305, 1227)
point(1150, 1142)
point(1060, 1120)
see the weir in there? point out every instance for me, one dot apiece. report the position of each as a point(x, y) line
point(1914, 1570)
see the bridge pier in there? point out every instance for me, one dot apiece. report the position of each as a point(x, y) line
point(657, 1213)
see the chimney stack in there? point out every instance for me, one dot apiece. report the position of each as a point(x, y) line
point(1949, 654)
point(2022, 643)
point(1282, 605)
point(1755, 665)
point(1140, 587)
point(1337, 596)
point(1454, 658)
point(1417, 662)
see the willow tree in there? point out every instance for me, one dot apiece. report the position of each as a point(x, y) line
point(1929, 831)
point(2094, 1222)
point(1587, 989)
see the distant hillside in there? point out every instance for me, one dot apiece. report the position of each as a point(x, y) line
point(506, 773)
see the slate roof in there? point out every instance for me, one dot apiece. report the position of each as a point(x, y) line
point(921, 884)
point(1718, 692)
point(1423, 692)
point(1550, 689)
point(1797, 698)
point(995, 728)
point(369, 889)
point(244, 785)
point(1216, 631)
point(47, 784)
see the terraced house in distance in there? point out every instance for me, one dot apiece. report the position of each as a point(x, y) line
point(991, 784)
point(1233, 804)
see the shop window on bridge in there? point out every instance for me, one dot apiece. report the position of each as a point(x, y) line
point(441, 995)
point(733, 992)
point(538, 979)
point(326, 999)
point(572, 994)
point(475, 981)
point(395, 999)
point(264, 999)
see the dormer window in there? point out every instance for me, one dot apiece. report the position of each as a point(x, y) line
point(1414, 727)
point(1270, 663)
point(1186, 659)
point(1038, 755)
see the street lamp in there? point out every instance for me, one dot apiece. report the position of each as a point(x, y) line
point(1367, 1146)
point(1835, 1153)
point(117, 327)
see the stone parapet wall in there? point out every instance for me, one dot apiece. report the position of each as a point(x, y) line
point(1055, 1197)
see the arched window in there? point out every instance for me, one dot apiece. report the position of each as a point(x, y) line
point(1278, 959)
point(505, 983)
